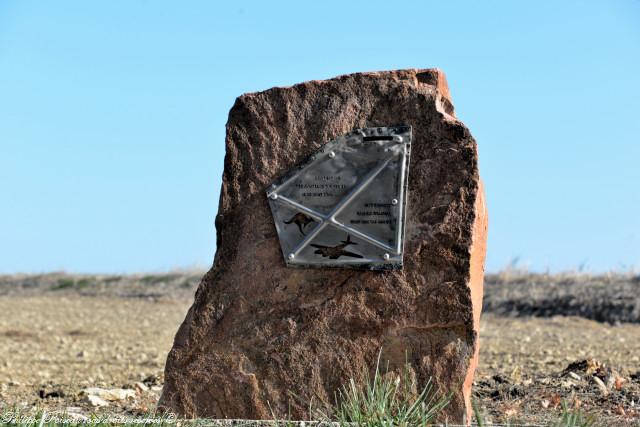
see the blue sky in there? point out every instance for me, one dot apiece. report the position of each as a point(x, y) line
point(112, 118)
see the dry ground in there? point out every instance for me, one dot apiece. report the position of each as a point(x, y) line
point(61, 334)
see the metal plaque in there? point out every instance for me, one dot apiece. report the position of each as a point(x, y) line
point(345, 206)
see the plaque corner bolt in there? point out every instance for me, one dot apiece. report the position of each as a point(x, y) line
point(290, 257)
point(273, 196)
point(332, 154)
point(386, 257)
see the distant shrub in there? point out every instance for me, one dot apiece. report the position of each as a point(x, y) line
point(64, 283)
point(83, 283)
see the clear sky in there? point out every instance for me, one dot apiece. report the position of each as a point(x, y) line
point(112, 118)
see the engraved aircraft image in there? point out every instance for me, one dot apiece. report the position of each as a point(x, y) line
point(301, 220)
point(335, 252)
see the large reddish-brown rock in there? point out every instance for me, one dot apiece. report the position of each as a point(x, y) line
point(259, 332)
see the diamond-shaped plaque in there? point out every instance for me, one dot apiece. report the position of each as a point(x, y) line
point(345, 206)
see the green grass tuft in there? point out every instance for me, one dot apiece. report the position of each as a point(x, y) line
point(386, 399)
point(573, 418)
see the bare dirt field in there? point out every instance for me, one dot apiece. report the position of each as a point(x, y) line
point(61, 335)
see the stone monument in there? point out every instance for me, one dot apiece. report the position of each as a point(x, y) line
point(351, 221)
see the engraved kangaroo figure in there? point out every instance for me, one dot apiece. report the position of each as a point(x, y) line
point(301, 220)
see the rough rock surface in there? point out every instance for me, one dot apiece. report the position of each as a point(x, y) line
point(259, 333)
